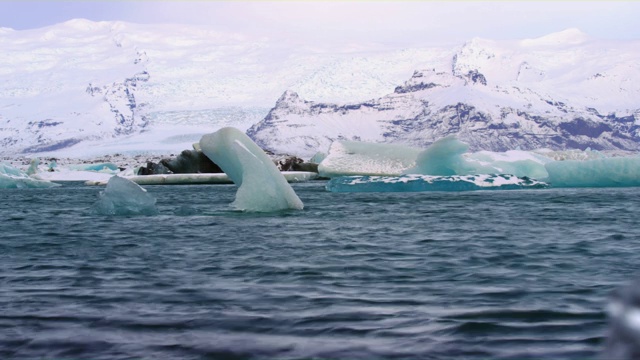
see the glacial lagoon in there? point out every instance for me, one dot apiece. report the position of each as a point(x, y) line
point(519, 274)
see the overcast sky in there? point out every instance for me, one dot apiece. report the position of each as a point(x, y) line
point(402, 22)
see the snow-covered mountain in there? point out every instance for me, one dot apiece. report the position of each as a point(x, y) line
point(81, 82)
point(83, 88)
point(559, 91)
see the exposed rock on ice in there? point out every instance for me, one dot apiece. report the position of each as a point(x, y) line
point(124, 197)
point(414, 183)
point(13, 178)
point(190, 162)
point(262, 188)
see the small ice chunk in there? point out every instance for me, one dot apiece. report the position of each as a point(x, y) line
point(124, 197)
point(13, 178)
point(33, 166)
point(262, 188)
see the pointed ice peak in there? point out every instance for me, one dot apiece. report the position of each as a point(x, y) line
point(571, 36)
point(288, 96)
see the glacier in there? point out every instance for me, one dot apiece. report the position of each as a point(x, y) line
point(261, 186)
point(13, 178)
point(416, 183)
point(494, 95)
point(124, 197)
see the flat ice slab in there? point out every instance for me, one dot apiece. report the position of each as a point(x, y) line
point(195, 179)
point(415, 183)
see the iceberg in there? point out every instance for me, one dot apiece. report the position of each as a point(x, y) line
point(449, 157)
point(515, 162)
point(443, 157)
point(261, 186)
point(416, 183)
point(124, 197)
point(361, 158)
point(603, 172)
point(106, 167)
point(13, 178)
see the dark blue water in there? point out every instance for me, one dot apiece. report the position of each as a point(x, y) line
point(475, 275)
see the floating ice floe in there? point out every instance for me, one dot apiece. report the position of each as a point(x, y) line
point(449, 156)
point(262, 188)
point(124, 197)
point(12, 178)
point(604, 172)
point(361, 158)
point(415, 183)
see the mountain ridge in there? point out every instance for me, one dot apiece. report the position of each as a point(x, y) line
point(76, 85)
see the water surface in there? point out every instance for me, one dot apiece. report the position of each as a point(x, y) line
point(473, 275)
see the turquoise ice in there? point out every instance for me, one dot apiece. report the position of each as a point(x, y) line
point(604, 172)
point(261, 186)
point(13, 178)
point(124, 197)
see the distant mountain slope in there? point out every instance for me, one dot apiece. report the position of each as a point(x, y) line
point(561, 91)
point(83, 80)
point(79, 84)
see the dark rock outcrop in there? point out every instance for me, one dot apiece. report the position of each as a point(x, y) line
point(194, 162)
point(153, 169)
point(191, 162)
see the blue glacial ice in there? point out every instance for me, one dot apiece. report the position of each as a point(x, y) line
point(13, 178)
point(443, 157)
point(124, 197)
point(261, 186)
point(415, 183)
point(106, 167)
point(449, 156)
point(603, 172)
